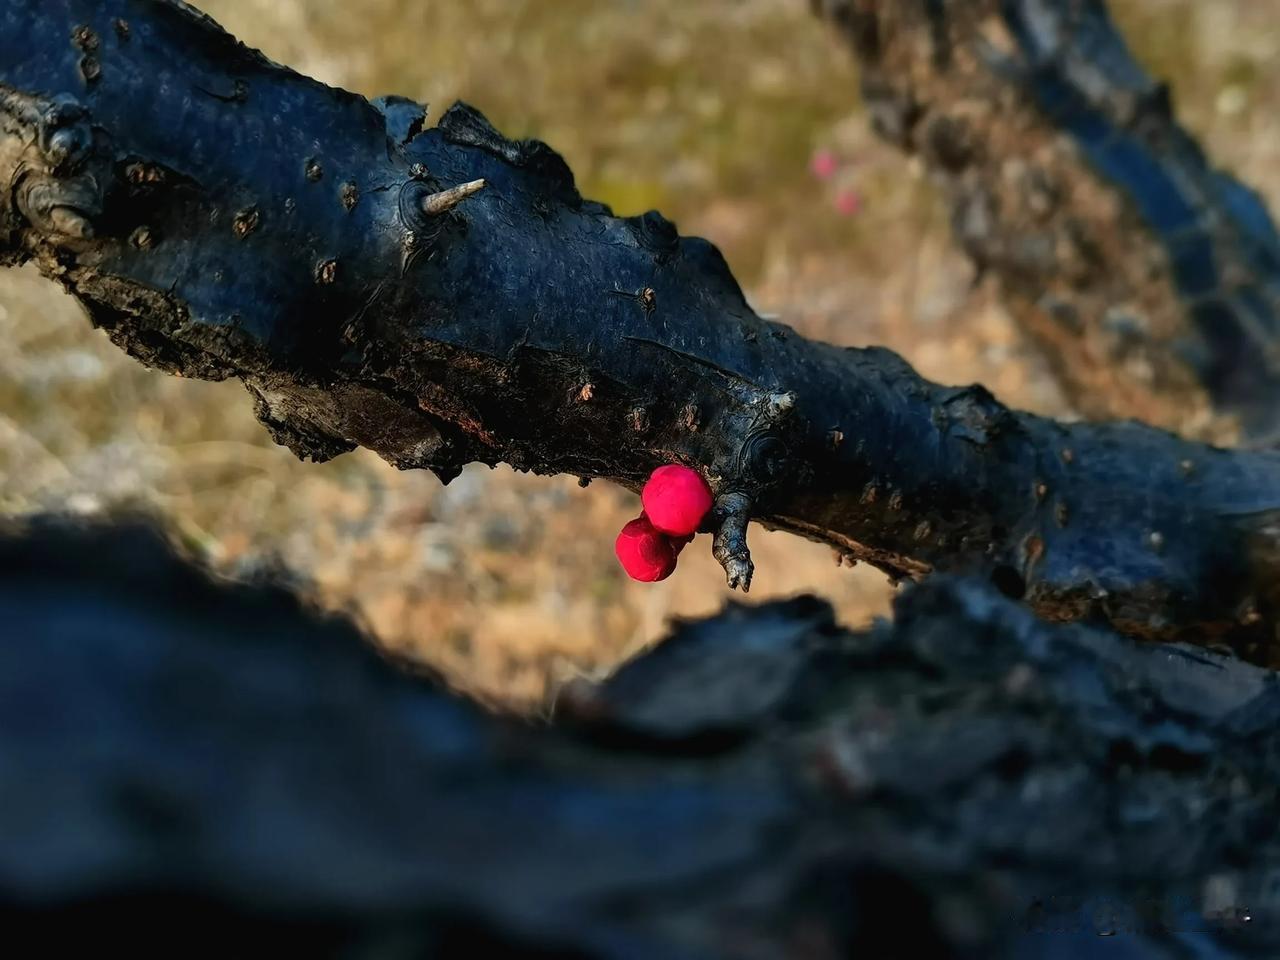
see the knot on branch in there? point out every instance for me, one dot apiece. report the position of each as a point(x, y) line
point(424, 207)
point(758, 455)
point(63, 137)
point(60, 208)
point(45, 147)
point(750, 470)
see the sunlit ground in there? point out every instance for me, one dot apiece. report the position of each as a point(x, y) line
point(712, 111)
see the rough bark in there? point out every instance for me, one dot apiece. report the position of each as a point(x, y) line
point(968, 782)
point(219, 216)
point(1150, 278)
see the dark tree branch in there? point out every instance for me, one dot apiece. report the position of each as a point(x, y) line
point(967, 783)
point(1151, 279)
point(219, 216)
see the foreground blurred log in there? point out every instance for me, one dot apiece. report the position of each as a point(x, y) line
point(968, 782)
point(1151, 279)
point(221, 216)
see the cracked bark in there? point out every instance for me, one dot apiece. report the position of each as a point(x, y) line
point(1150, 278)
point(220, 216)
point(968, 782)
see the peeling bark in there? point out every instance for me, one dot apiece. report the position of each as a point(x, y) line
point(1150, 278)
point(219, 216)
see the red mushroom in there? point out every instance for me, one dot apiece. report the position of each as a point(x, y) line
point(676, 499)
point(646, 554)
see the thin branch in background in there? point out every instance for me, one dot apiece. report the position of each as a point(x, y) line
point(1150, 278)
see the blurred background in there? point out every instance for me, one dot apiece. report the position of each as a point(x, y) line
point(740, 120)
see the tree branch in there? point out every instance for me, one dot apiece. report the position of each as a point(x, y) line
point(969, 782)
point(219, 216)
point(1151, 279)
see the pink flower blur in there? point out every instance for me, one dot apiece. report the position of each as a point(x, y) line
point(824, 164)
point(848, 203)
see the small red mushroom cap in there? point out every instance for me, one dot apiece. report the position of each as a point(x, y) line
point(645, 553)
point(676, 498)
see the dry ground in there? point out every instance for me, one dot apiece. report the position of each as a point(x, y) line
point(711, 111)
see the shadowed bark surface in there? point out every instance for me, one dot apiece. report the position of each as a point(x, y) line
point(1151, 279)
point(221, 216)
point(967, 782)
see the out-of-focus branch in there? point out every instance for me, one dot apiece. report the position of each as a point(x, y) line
point(1151, 279)
point(221, 216)
point(969, 782)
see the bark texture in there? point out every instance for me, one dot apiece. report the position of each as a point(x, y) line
point(1150, 278)
point(968, 782)
point(221, 216)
